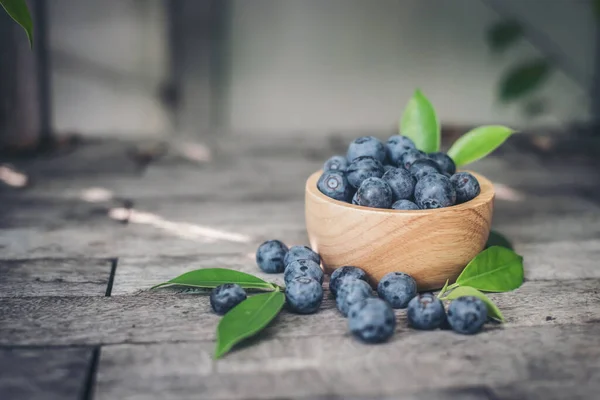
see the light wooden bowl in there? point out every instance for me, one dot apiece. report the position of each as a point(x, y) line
point(429, 245)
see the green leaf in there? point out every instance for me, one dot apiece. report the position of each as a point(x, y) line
point(497, 239)
point(441, 293)
point(478, 143)
point(596, 9)
point(420, 123)
point(247, 319)
point(213, 277)
point(496, 269)
point(492, 310)
point(523, 79)
point(18, 11)
point(503, 34)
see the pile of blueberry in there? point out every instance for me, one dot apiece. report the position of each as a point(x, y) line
point(371, 319)
point(395, 175)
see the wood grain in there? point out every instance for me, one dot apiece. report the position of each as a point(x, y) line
point(430, 245)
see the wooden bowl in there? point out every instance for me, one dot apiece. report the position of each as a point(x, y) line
point(429, 245)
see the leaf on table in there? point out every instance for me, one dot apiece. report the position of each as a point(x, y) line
point(419, 122)
point(498, 239)
point(492, 309)
point(17, 9)
point(523, 79)
point(503, 34)
point(496, 269)
point(247, 319)
point(478, 143)
point(212, 277)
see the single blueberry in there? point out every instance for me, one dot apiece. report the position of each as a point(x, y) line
point(424, 166)
point(351, 292)
point(300, 253)
point(405, 205)
point(336, 163)
point(355, 199)
point(401, 182)
point(467, 314)
point(375, 192)
point(363, 168)
point(388, 167)
point(372, 320)
point(224, 297)
point(396, 146)
point(397, 288)
point(270, 256)
point(466, 186)
point(304, 295)
point(434, 191)
point(343, 273)
point(307, 268)
point(334, 184)
point(409, 157)
point(366, 146)
point(425, 311)
point(444, 161)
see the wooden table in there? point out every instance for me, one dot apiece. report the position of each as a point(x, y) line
point(77, 321)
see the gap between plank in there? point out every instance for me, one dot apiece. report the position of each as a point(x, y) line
point(111, 278)
point(90, 379)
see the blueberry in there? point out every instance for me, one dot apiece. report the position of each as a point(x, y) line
point(304, 295)
point(366, 146)
point(397, 288)
point(363, 168)
point(336, 163)
point(224, 297)
point(424, 166)
point(409, 157)
point(307, 268)
point(401, 182)
point(425, 311)
point(434, 191)
point(466, 186)
point(270, 256)
point(351, 292)
point(405, 205)
point(372, 320)
point(387, 167)
point(301, 253)
point(343, 273)
point(445, 163)
point(467, 314)
point(334, 184)
point(396, 146)
point(355, 199)
point(375, 192)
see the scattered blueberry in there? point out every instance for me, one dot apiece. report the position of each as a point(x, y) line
point(270, 256)
point(336, 163)
point(334, 184)
point(307, 268)
point(304, 295)
point(363, 168)
point(425, 311)
point(409, 157)
point(374, 192)
point(424, 166)
point(224, 297)
point(401, 182)
point(405, 205)
point(444, 161)
point(351, 292)
point(397, 288)
point(366, 146)
point(343, 273)
point(301, 253)
point(434, 191)
point(372, 320)
point(466, 186)
point(467, 315)
point(396, 146)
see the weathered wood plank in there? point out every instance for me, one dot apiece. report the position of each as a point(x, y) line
point(32, 374)
point(334, 368)
point(153, 317)
point(54, 277)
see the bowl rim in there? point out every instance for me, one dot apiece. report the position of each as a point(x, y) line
point(486, 195)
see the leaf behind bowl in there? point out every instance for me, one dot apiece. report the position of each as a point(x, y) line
point(478, 143)
point(496, 269)
point(419, 122)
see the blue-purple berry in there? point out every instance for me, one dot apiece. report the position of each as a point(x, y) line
point(366, 146)
point(335, 185)
point(426, 312)
point(401, 182)
point(397, 288)
point(372, 320)
point(434, 191)
point(444, 161)
point(375, 193)
point(409, 157)
point(388, 167)
point(351, 292)
point(362, 168)
point(467, 314)
point(307, 268)
point(466, 186)
point(404, 205)
point(355, 199)
point(270, 256)
point(343, 273)
point(396, 146)
point(301, 253)
point(224, 297)
point(336, 163)
point(304, 295)
point(424, 166)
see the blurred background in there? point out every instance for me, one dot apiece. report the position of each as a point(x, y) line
point(197, 68)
